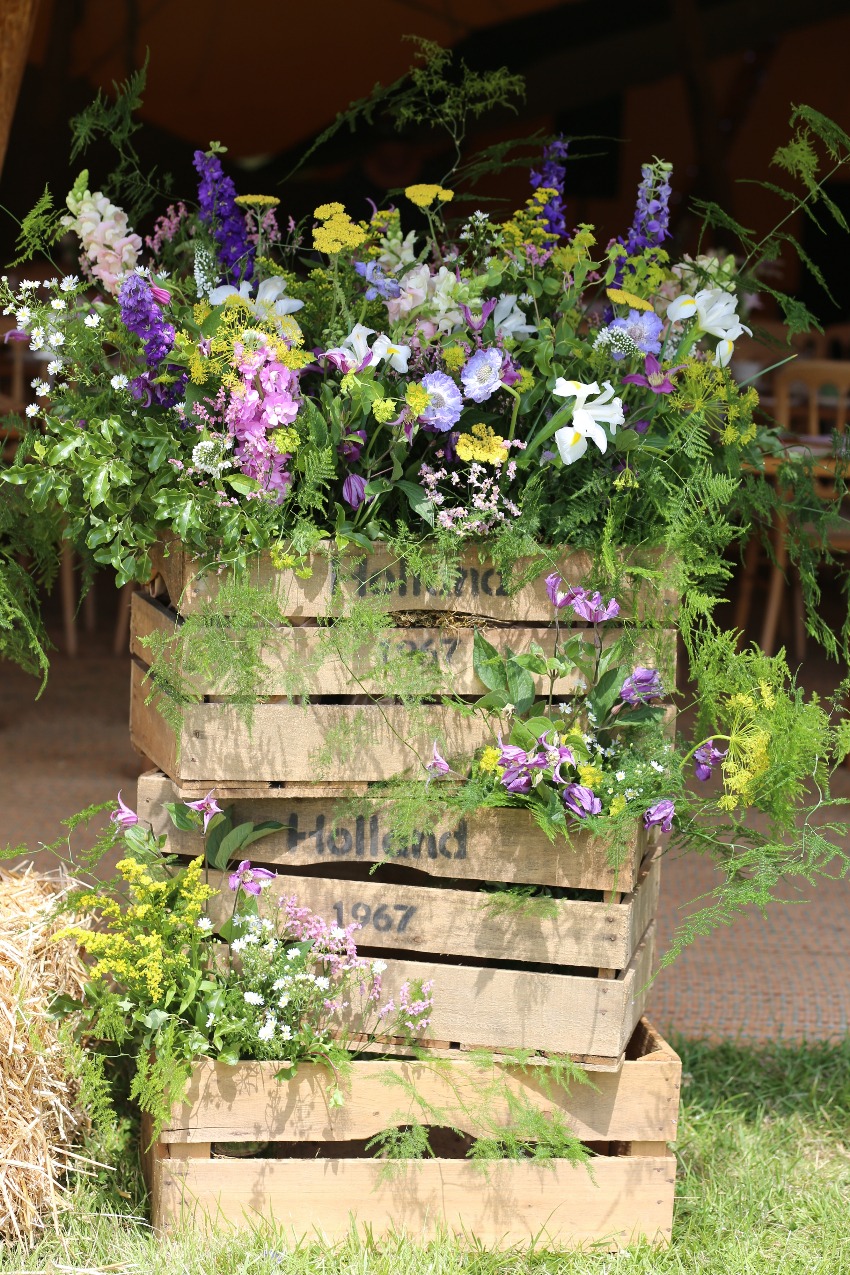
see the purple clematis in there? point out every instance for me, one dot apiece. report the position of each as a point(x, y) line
point(654, 377)
point(641, 685)
point(477, 325)
point(661, 813)
point(124, 817)
point(581, 801)
point(592, 608)
point(251, 880)
point(206, 806)
point(706, 758)
point(354, 490)
point(562, 597)
point(437, 765)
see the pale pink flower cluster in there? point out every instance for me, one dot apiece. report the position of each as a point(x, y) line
point(110, 247)
point(435, 297)
point(166, 227)
point(266, 400)
point(486, 506)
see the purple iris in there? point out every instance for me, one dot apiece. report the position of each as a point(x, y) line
point(354, 490)
point(206, 806)
point(482, 375)
point(581, 802)
point(141, 315)
point(641, 685)
point(644, 328)
point(124, 817)
point(218, 209)
point(251, 880)
point(445, 404)
point(653, 377)
point(706, 758)
point(561, 597)
point(591, 608)
point(661, 813)
point(380, 285)
point(552, 176)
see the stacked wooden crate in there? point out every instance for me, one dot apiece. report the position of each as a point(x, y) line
point(571, 979)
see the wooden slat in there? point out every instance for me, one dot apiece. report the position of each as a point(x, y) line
point(478, 591)
point(440, 920)
point(288, 653)
point(555, 1205)
point(246, 1102)
point(493, 845)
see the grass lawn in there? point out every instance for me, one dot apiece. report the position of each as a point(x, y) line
point(763, 1187)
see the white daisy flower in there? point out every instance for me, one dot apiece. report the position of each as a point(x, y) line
point(56, 338)
point(119, 382)
point(54, 367)
point(69, 283)
point(92, 320)
point(58, 304)
point(253, 998)
point(204, 924)
point(32, 409)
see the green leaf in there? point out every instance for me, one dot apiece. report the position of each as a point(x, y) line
point(216, 834)
point(61, 451)
point(242, 483)
point(520, 686)
point(488, 664)
point(418, 500)
point(181, 816)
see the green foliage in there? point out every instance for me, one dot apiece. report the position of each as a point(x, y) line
point(40, 229)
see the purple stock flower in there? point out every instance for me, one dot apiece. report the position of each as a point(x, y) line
point(591, 608)
point(251, 880)
point(141, 315)
point(445, 404)
point(661, 813)
point(552, 176)
point(354, 490)
point(482, 375)
point(218, 209)
point(206, 806)
point(644, 328)
point(124, 817)
point(379, 284)
point(581, 801)
point(641, 685)
point(706, 758)
point(561, 597)
point(653, 377)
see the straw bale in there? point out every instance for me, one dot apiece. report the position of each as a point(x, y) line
point(40, 1118)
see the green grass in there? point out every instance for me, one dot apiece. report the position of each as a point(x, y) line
point(763, 1188)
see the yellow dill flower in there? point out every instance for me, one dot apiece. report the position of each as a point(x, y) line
point(201, 310)
point(280, 558)
point(482, 444)
point(526, 380)
point(417, 398)
point(384, 409)
point(620, 297)
point(489, 760)
point(234, 302)
point(285, 439)
point(618, 805)
point(625, 479)
point(423, 194)
point(257, 201)
point(590, 775)
point(454, 358)
point(324, 211)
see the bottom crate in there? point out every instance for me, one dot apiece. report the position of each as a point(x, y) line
point(313, 1177)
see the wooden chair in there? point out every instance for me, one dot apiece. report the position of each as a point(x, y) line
point(812, 399)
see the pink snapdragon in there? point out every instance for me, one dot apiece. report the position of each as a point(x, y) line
point(111, 248)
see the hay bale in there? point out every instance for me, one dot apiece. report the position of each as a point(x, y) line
point(39, 1113)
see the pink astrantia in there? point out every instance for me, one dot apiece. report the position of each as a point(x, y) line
point(206, 806)
point(251, 880)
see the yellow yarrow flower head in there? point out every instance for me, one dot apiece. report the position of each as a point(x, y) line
point(621, 297)
point(454, 358)
point(489, 761)
point(257, 201)
point(324, 211)
point(337, 232)
point(423, 194)
point(417, 398)
point(384, 409)
point(482, 444)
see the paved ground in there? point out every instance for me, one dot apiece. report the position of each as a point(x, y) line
point(787, 974)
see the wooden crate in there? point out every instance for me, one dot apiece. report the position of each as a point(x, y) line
point(318, 1181)
point(572, 982)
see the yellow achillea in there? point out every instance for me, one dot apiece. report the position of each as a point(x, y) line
point(482, 444)
point(621, 297)
point(590, 776)
point(257, 201)
point(454, 358)
point(525, 228)
point(423, 194)
point(337, 232)
point(384, 409)
point(417, 398)
point(489, 760)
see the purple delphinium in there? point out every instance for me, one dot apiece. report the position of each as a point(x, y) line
point(653, 376)
point(590, 607)
point(652, 215)
point(445, 406)
point(206, 806)
point(581, 801)
point(251, 880)
point(218, 209)
point(641, 685)
point(380, 285)
point(644, 328)
point(141, 315)
point(561, 597)
point(552, 176)
point(354, 490)
point(661, 813)
point(706, 758)
point(124, 817)
point(481, 376)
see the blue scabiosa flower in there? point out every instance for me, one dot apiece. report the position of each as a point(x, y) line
point(444, 402)
point(643, 327)
point(482, 375)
